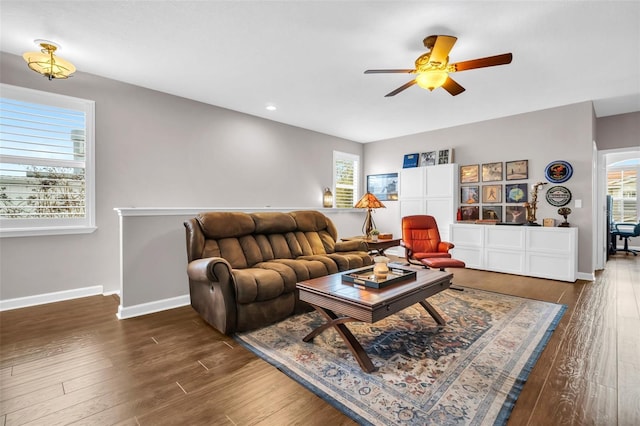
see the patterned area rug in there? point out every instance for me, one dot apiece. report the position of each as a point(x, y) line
point(470, 371)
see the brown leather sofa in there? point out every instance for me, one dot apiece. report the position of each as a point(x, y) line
point(243, 267)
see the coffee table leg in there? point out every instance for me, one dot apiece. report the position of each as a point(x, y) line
point(432, 311)
point(338, 323)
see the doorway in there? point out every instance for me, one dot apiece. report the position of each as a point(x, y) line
point(623, 163)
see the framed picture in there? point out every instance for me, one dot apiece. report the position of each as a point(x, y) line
point(492, 172)
point(469, 174)
point(470, 212)
point(428, 158)
point(516, 193)
point(384, 187)
point(445, 156)
point(410, 160)
point(491, 193)
point(515, 214)
point(517, 170)
point(492, 213)
point(469, 195)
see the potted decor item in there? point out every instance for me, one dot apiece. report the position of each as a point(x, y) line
point(374, 234)
point(564, 212)
point(380, 267)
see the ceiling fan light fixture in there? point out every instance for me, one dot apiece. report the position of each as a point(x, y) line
point(46, 63)
point(431, 79)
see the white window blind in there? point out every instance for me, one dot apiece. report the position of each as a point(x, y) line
point(345, 177)
point(46, 167)
point(622, 185)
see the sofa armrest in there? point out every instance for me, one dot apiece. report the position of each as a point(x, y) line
point(212, 291)
point(351, 245)
point(205, 269)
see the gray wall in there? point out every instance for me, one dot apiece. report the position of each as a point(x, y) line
point(541, 137)
point(158, 150)
point(618, 131)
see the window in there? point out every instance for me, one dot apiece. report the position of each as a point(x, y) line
point(345, 179)
point(622, 185)
point(46, 163)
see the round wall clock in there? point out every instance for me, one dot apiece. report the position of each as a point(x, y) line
point(558, 196)
point(558, 171)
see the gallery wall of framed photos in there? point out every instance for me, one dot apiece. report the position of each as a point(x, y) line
point(494, 192)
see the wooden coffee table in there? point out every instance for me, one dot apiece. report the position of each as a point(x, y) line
point(341, 302)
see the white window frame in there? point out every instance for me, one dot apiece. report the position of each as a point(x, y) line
point(53, 226)
point(338, 155)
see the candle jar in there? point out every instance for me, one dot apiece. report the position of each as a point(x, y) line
point(380, 267)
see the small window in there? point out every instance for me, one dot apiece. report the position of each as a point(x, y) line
point(345, 179)
point(46, 163)
point(622, 185)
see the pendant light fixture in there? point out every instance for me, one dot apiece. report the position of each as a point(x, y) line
point(46, 63)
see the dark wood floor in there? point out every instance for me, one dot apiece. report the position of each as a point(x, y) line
point(74, 362)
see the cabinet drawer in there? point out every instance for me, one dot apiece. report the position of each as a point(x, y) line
point(471, 257)
point(512, 262)
point(505, 237)
point(552, 266)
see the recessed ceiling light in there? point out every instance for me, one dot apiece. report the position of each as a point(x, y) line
point(271, 107)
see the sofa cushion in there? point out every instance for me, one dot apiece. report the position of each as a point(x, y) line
point(263, 283)
point(350, 260)
point(306, 269)
point(329, 264)
point(216, 225)
point(273, 223)
point(309, 220)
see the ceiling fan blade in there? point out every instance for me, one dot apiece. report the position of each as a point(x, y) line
point(489, 61)
point(451, 86)
point(441, 48)
point(389, 71)
point(401, 88)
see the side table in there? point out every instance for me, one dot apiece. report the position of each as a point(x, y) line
point(376, 246)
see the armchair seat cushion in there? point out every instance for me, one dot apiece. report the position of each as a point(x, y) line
point(441, 263)
point(420, 256)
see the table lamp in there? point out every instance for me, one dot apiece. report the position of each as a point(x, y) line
point(368, 201)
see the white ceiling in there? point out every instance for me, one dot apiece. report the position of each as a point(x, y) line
point(308, 57)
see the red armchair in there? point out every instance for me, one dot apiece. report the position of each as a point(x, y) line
point(421, 239)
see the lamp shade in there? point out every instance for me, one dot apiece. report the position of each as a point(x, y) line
point(431, 79)
point(369, 201)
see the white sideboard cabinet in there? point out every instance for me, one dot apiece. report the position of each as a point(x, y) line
point(522, 250)
point(430, 190)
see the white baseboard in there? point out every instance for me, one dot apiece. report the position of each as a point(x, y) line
point(586, 276)
point(151, 307)
point(41, 299)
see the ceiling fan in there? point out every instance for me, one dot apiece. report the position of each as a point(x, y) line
point(433, 68)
